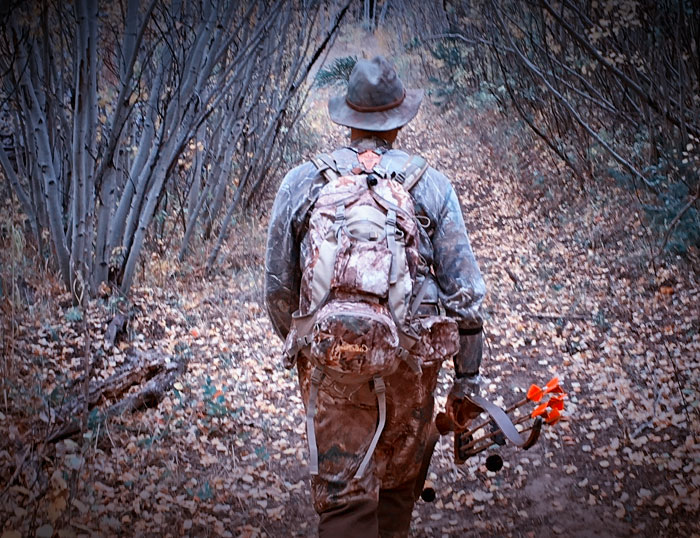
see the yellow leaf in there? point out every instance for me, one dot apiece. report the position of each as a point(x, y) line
point(56, 508)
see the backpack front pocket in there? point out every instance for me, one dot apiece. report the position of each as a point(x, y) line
point(355, 341)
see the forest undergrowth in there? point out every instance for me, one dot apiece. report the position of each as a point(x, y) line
point(571, 293)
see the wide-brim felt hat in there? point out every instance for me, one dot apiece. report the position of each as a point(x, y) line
point(376, 99)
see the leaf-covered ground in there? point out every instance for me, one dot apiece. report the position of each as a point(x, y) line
point(571, 294)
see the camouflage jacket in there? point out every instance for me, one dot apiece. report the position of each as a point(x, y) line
point(444, 245)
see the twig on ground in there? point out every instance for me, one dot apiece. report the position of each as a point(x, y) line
point(22, 459)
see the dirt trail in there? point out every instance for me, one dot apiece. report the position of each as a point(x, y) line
point(622, 464)
point(225, 453)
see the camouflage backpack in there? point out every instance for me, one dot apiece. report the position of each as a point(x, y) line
point(360, 259)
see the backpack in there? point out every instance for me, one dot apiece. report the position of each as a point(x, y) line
point(360, 258)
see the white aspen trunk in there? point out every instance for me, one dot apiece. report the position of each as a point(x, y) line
point(220, 135)
point(145, 155)
point(223, 171)
point(141, 187)
point(129, 42)
point(36, 189)
point(104, 214)
point(199, 152)
point(79, 169)
point(179, 121)
point(222, 167)
point(382, 14)
point(223, 232)
point(189, 89)
point(90, 192)
point(53, 203)
point(145, 217)
point(123, 106)
point(222, 57)
point(192, 223)
point(293, 84)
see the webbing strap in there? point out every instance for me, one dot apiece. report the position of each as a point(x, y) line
point(419, 296)
point(411, 361)
point(339, 218)
point(316, 377)
point(413, 170)
point(326, 166)
point(380, 391)
point(304, 324)
point(390, 226)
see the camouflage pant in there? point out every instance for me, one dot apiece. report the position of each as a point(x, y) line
point(346, 419)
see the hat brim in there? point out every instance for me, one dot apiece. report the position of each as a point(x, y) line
point(342, 114)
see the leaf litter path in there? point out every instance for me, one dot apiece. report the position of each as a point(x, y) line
point(225, 453)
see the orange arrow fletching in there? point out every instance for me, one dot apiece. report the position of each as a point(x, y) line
point(552, 385)
point(556, 402)
point(553, 417)
point(534, 393)
point(539, 410)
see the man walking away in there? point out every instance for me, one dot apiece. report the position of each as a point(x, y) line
point(372, 283)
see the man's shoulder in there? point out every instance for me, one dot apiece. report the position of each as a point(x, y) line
point(397, 159)
point(393, 160)
point(437, 177)
point(299, 175)
point(301, 170)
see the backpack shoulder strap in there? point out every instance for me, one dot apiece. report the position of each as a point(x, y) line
point(326, 166)
point(412, 171)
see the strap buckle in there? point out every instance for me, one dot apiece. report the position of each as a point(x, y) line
point(379, 385)
point(391, 219)
point(340, 212)
point(339, 218)
point(305, 340)
point(317, 376)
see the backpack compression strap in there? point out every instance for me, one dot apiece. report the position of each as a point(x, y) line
point(317, 376)
point(380, 391)
point(326, 166)
point(412, 171)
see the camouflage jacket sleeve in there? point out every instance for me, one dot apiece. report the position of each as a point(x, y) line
point(282, 273)
point(461, 287)
point(447, 250)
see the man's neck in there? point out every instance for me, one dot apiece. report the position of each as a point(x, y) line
point(387, 136)
point(369, 142)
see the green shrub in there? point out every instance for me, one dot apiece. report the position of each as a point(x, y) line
point(336, 74)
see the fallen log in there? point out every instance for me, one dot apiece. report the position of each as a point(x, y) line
point(156, 374)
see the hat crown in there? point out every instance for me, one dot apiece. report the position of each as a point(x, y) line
point(374, 83)
point(376, 99)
